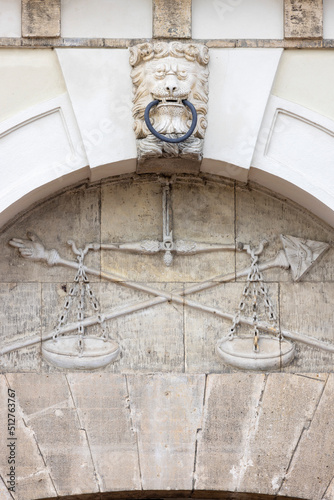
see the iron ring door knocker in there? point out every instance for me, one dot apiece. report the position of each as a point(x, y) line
point(163, 137)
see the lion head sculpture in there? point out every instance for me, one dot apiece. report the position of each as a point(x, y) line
point(169, 72)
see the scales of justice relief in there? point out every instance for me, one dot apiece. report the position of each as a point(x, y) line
point(262, 347)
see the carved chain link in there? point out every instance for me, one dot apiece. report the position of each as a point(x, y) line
point(254, 287)
point(81, 289)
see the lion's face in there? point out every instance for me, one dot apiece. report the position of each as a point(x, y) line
point(170, 80)
point(169, 73)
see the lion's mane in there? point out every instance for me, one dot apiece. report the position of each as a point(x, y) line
point(148, 145)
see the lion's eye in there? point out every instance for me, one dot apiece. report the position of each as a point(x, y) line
point(160, 73)
point(182, 75)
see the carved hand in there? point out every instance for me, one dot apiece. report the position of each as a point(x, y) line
point(34, 249)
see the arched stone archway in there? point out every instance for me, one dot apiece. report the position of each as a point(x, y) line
point(166, 412)
point(176, 495)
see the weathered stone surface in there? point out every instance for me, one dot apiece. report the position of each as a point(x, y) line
point(55, 424)
point(204, 330)
point(259, 216)
point(154, 333)
point(287, 407)
point(28, 460)
point(166, 412)
point(172, 19)
point(231, 406)
point(168, 166)
point(142, 220)
point(72, 215)
point(329, 494)
point(20, 300)
point(303, 18)
point(104, 410)
point(8, 42)
point(150, 339)
point(312, 468)
point(4, 492)
point(236, 432)
point(41, 18)
point(35, 396)
point(308, 308)
point(40, 487)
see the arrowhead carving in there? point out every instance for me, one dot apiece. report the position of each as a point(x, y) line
point(302, 254)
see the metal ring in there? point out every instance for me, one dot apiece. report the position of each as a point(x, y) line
point(163, 137)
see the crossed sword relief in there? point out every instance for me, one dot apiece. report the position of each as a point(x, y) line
point(299, 255)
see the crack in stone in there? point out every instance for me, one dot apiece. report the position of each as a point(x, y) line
point(9, 492)
point(204, 393)
point(199, 429)
point(305, 428)
point(325, 492)
point(44, 411)
point(40, 452)
point(245, 462)
point(195, 458)
point(33, 474)
point(134, 430)
point(308, 376)
point(98, 480)
point(24, 418)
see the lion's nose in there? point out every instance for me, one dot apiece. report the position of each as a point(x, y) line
point(171, 85)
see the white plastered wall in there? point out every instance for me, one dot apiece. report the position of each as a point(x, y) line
point(68, 117)
point(106, 18)
point(239, 19)
point(328, 6)
point(40, 142)
point(294, 154)
point(10, 18)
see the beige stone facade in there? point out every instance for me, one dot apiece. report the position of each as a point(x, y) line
point(166, 329)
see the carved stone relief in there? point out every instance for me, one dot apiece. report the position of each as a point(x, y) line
point(171, 74)
point(252, 334)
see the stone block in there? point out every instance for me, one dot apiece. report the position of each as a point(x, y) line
point(172, 19)
point(203, 330)
point(132, 212)
point(73, 215)
point(287, 407)
point(150, 339)
point(308, 308)
point(106, 19)
point(61, 439)
point(168, 166)
point(40, 487)
point(229, 412)
point(312, 469)
point(237, 21)
point(41, 18)
point(166, 412)
point(259, 216)
point(236, 104)
point(102, 401)
point(20, 300)
point(4, 492)
point(329, 495)
point(303, 18)
point(34, 392)
point(28, 460)
point(102, 106)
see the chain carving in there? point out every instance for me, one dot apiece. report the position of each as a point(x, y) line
point(267, 348)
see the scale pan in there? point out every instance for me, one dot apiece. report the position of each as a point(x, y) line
point(64, 352)
point(273, 352)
